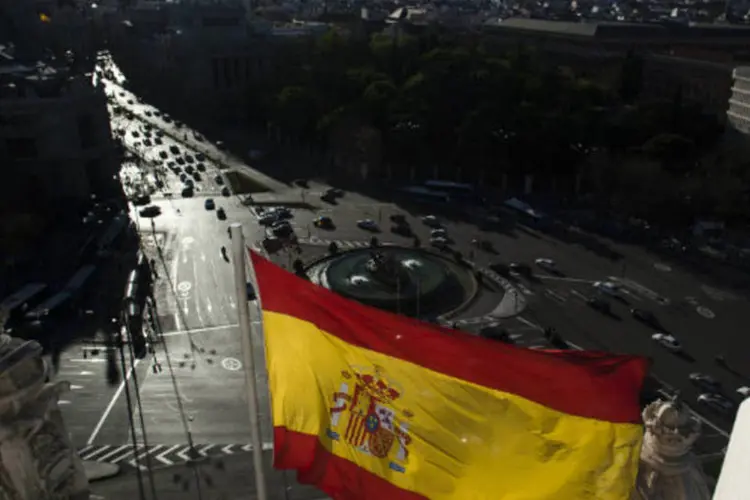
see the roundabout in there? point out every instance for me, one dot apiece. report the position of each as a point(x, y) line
point(409, 281)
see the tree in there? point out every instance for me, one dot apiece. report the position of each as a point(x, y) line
point(296, 111)
point(675, 153)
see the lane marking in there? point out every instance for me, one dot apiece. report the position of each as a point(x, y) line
point(112, 402)
point(207, 329)
point(231, 364)
point(87, 360)
point(705, 312)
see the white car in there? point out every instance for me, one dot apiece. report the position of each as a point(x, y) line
point(439, 242)
point(367, 224)
point(608, 287)
point(545, 263)
point(667, 341)
point(716, 402)
point(431, 220)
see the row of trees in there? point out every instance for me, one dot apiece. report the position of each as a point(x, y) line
point(459, 109)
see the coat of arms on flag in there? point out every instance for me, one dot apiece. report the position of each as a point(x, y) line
point(364, 416)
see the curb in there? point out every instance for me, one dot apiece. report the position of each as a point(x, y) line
point(510, 293)
point(98, 471)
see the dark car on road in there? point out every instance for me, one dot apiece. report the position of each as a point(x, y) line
point(705, 382)
point(401, 229)
point(600, 305)
point(520, 268)
point(500, 268)
point(645, 317)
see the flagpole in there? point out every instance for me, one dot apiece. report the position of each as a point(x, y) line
point(239, 257)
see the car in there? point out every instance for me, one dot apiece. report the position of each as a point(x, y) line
point(520, 268)
point(324, 222)
point(599, 304)
point(163, 154)
point(485, 245)
point(174, 150)
point(368, 225)
point(219, 180)
point(201, 166)
point(439, 233)
point(716, 402)
point(667, 341)
point(328, 198)
point(547, 264)
point(744, 392)
point(335, 192)
point(267, 219)
point(431, 221)
point(209, 204)
point(706, 382)
point(225, 191)
point(608, 287)
point(150, 211)
point(280, 212)
point(221, 214)
point(441, 243)
point(644, 316)
point(398, 219)
point(500, 268)
point(401, 229)
point(282, 230)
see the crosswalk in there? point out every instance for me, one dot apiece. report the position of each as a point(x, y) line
point(140, 455)
point(342, 244)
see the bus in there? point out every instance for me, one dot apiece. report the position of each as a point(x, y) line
point(524, 212)
point(16, 305)
point(50, 307)
point(424, 195)
point(463, 193)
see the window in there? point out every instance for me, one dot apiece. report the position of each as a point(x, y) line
point(21, 148)
point(86, 131)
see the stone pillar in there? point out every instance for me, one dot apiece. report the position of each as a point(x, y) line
point(37, 458)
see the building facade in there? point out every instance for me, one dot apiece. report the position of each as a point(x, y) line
point(55, 138)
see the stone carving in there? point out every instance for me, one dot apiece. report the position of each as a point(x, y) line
point(669, 470)
point(37, 459)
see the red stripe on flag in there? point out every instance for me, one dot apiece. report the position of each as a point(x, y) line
point(337, 477)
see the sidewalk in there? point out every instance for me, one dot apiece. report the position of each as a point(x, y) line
point(229, 477)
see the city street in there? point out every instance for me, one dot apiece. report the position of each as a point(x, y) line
point(193, 392)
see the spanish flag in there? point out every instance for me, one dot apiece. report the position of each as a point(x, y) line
point(370, 405)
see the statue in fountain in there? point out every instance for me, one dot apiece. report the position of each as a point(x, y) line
point(669, 470)
point(387, 269)
point(37, 459)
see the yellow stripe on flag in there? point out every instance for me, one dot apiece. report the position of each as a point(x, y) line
point(439, 436)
